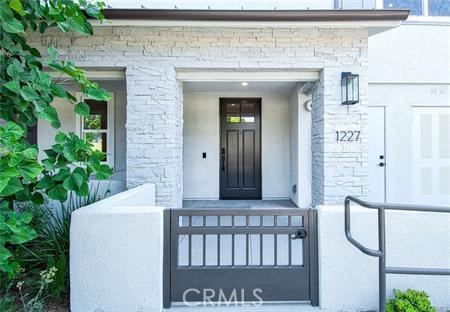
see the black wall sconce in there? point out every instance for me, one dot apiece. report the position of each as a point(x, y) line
point(349, 88)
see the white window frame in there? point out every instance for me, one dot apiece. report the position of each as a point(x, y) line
point(110, 124)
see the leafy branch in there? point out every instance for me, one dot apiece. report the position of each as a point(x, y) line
point(27, 92)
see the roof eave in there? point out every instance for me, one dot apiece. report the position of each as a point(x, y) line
point(258, 15)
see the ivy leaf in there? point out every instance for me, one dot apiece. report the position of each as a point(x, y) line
point(31, 169)
point(14, 129)
point(44, 79)
point(58, 91)
point(45, 183)
point(52, 52)
point(97, 94)
point(22, 235)
point(62, 174)
point(14, 69)
point(28, 94)
point(3, 182)
point(9, 172)
point(30, 153)
point(76, 23)
point(58, 193)
point(4, 254)
point(5, 12)
point(17, 6)
point(93, 10)
point(35, 52)
point(74, 182)
point(49, 113)
point(43, 26)
point(13, 186)
point(13, 26)
point(59, 138)
point(13, 85)
point(84, 190)
point(104, 172)
point(82, 109)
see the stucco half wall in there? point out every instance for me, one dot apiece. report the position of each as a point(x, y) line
point(117, 255)
point(116, 248)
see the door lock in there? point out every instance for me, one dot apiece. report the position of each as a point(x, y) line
point(382, 163)
point(301, 234)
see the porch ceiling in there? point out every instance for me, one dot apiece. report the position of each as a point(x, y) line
point(236, 86)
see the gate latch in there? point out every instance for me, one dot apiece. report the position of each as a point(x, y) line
point(301, 234)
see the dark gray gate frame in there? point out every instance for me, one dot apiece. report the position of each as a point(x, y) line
point(381, 252)
point(313, 253)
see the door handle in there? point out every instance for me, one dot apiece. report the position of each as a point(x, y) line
point(301, 234)
point(222, 157)
point(381, 164)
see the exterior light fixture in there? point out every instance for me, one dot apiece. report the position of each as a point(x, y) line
point(349, 88)
point(244, 83)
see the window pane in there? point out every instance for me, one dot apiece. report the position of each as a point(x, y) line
point(98, 118)
point(439, 7)
point(98, 140)
point(233, 112)
point(415, 6)
point(247, 112)
point(357, 4)
point(92, 122)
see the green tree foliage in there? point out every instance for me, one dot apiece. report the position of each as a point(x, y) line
point(27, 92)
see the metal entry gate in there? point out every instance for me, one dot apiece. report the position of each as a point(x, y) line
point(241, 255)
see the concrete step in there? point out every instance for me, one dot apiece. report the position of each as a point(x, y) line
point(247, 307)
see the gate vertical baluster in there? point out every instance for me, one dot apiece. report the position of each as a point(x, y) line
point(204, 241)
point(232, 241)
point(247, 251)
point(289, 242)
point(190, 243)
point(275, 241)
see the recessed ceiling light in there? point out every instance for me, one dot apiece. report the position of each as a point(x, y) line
point(244, 83)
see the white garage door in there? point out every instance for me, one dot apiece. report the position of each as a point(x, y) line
point(431, 155)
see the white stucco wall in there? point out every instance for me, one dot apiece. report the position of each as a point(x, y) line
point(409, 68)
point(411, 54)
point(294, 137)
point(201, 134)
point(112, 267)
point(348, 279)
point(300, 141)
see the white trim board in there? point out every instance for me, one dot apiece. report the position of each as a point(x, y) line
point(247, 75)
point(93, 75)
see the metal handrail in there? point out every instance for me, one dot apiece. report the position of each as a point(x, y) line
point(380, 253)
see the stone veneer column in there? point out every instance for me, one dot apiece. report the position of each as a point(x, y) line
point(338, 168)
point(154, 131)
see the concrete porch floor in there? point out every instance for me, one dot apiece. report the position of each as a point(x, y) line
point(238, 203)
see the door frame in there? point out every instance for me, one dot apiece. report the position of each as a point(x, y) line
point(258, 151)
point(385, 129)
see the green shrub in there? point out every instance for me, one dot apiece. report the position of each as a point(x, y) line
point(409, 301)
point(51, 246)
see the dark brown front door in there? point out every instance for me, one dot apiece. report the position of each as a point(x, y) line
point(240, 148)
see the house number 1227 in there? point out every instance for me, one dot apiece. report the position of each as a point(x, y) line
point(347, 136)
